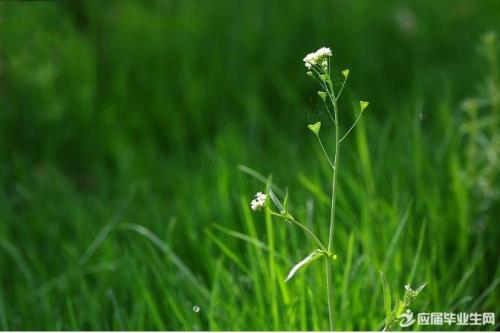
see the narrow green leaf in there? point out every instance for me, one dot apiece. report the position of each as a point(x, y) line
point(416, 257)
point(285, 202)
point(313, 188)
point(275, 199)
point(315, 255)
point(419, 289)
point(387, 299)
point(227, 251)
point(164, 247)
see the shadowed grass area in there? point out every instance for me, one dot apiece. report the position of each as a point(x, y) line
point(125, 127)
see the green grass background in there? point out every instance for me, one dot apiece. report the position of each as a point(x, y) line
point(123, 123)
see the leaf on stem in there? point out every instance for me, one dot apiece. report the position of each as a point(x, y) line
point(275, 200)
point(315, 255)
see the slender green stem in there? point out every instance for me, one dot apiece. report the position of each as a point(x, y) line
point(329, 288)
point(341, 89)
point(328, 86)
point(324, 151)
point(353, 125)
point(301, 226)
point(335, 167)
point(328, 110)
point(323, 85)
point(318, 78)
point(329, 284)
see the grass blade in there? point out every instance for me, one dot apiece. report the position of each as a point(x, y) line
point(387, 299)
point(417, 254)
point(228, 252)
point(260, 177)
point(175, 259)
point(395, 237)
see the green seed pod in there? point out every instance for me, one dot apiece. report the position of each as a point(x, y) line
point(363, 105)
point(315, 128)
point(322, 95)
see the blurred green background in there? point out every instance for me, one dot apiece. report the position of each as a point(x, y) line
point(123, 123)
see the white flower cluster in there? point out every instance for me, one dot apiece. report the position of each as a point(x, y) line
point(318, 57)
point(259, 201)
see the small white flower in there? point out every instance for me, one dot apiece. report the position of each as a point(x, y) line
point(319, 56)
point(310, 59)
point(259, 201)
point(324, 52)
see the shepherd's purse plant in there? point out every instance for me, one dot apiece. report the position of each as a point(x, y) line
point(318, 68)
